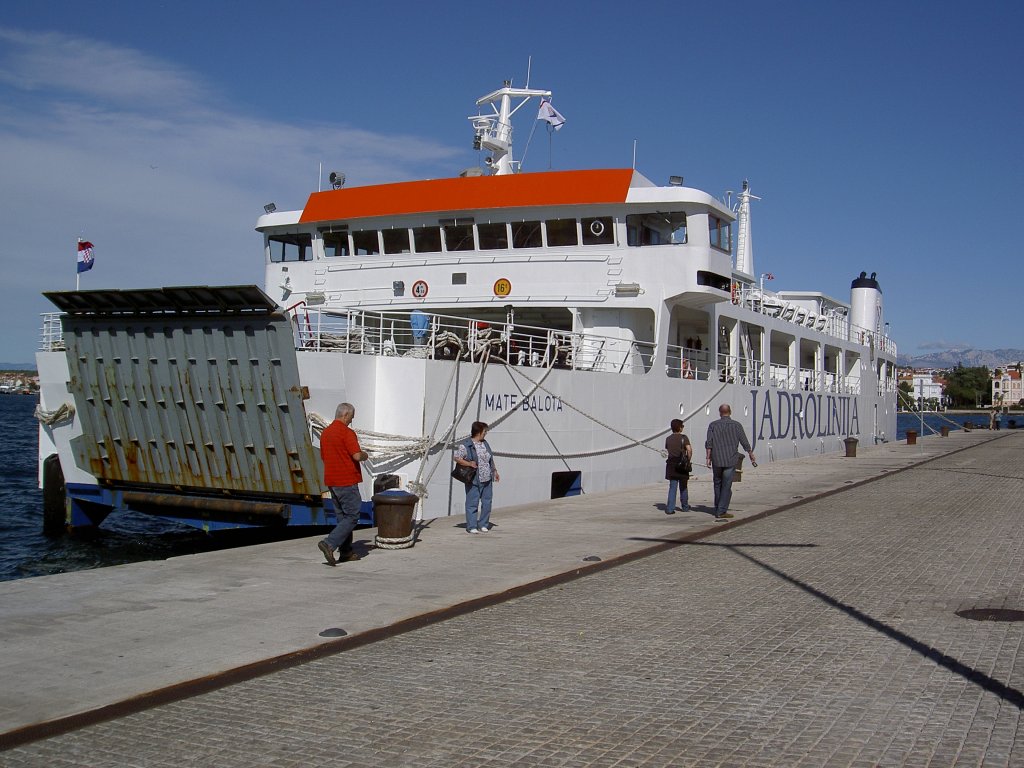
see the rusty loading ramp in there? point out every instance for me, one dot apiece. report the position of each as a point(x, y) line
point(86, 646)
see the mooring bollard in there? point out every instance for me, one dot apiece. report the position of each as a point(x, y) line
point(851, 447)
point(944, 431)
point(911, 437)
point(392, 512)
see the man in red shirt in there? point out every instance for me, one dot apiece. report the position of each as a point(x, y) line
point(340, 451)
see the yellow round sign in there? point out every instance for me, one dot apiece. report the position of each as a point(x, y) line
point(502, 287)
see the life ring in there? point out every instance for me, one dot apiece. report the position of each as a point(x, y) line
point(735, 298)
point(596, 228)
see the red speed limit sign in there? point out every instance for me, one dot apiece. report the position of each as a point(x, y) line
point(420, 288)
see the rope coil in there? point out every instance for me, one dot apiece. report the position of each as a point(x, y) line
point(404, 542)
point(66, 412)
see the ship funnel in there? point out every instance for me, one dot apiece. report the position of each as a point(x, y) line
point(866, 304)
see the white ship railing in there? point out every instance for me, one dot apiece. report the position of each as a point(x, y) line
point(52, 336)
point(833, 322)
point(449, 338)
point(688, 363)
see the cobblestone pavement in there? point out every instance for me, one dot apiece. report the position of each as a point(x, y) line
point(825, 635)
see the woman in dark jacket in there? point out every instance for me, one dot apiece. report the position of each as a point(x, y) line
point(678, 445)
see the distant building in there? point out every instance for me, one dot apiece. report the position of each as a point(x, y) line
point(1007, 386)
point(928, 388)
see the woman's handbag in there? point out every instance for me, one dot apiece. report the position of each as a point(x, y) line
point(685, 466)
point(464, 474)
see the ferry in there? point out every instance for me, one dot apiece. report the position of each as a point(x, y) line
point(577, 312)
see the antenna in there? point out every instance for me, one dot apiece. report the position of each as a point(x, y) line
point(529, 65)
point(634, 154)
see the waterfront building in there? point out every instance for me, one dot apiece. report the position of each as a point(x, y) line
point(1007, 386)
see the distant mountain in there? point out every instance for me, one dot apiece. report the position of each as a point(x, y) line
point(967, 357)
point(17, 367)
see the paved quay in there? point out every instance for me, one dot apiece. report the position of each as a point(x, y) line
point(824, 635)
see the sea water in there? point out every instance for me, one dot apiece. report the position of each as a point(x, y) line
point(123, 537)
point(933, 422)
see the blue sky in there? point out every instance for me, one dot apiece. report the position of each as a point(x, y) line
point(883, 137)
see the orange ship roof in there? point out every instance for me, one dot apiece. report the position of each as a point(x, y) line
point(470, 193)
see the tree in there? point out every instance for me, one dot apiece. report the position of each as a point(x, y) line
point(963, 385)
point(905, 398)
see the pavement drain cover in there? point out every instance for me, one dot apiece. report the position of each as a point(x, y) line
point(991, 614)
point(592, 559)
point(333, 632)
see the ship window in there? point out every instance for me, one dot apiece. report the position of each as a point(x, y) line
point(721, 233)
point(291, 247)
point(598, 231)
point(427, 239)
point(677, 223)
point(562, 232)
point(647, 229)
point(336, 244)
point(492, 236)
point(396, 240)
point(365, 243)
point(458, 278)
point(458, 237)
point(712, 280)
point(526, 234)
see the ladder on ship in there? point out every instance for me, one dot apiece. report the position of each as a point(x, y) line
point(747, 362)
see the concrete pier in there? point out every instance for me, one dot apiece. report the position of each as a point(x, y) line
point(93, 647)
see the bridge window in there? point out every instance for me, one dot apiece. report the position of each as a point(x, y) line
point(458, 237)
point(427, 239)
point(656, 228)
point(335, 244)
point(721, 233)
point(396, 240)
point(598, 231)
point(562, 232)
point(365, 242)
point(526, 234)
point(646, 229)
point(492, 236)
point(291, 247)
point(677, 223)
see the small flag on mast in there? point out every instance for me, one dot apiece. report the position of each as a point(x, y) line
point(768, 276)
point(549, 113)
point(85, 258)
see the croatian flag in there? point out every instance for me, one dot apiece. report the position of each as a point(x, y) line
point(85, 259)
point(768, 276)
point(549, 113)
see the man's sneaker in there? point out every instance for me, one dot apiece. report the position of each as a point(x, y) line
point(725, 516)
point(484, 528)
point(669, 511)
point(472, 530)
point(686, 507)
point(326, 549)
point(348, 557)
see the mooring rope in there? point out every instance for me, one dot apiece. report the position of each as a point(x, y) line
point(65, 412)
